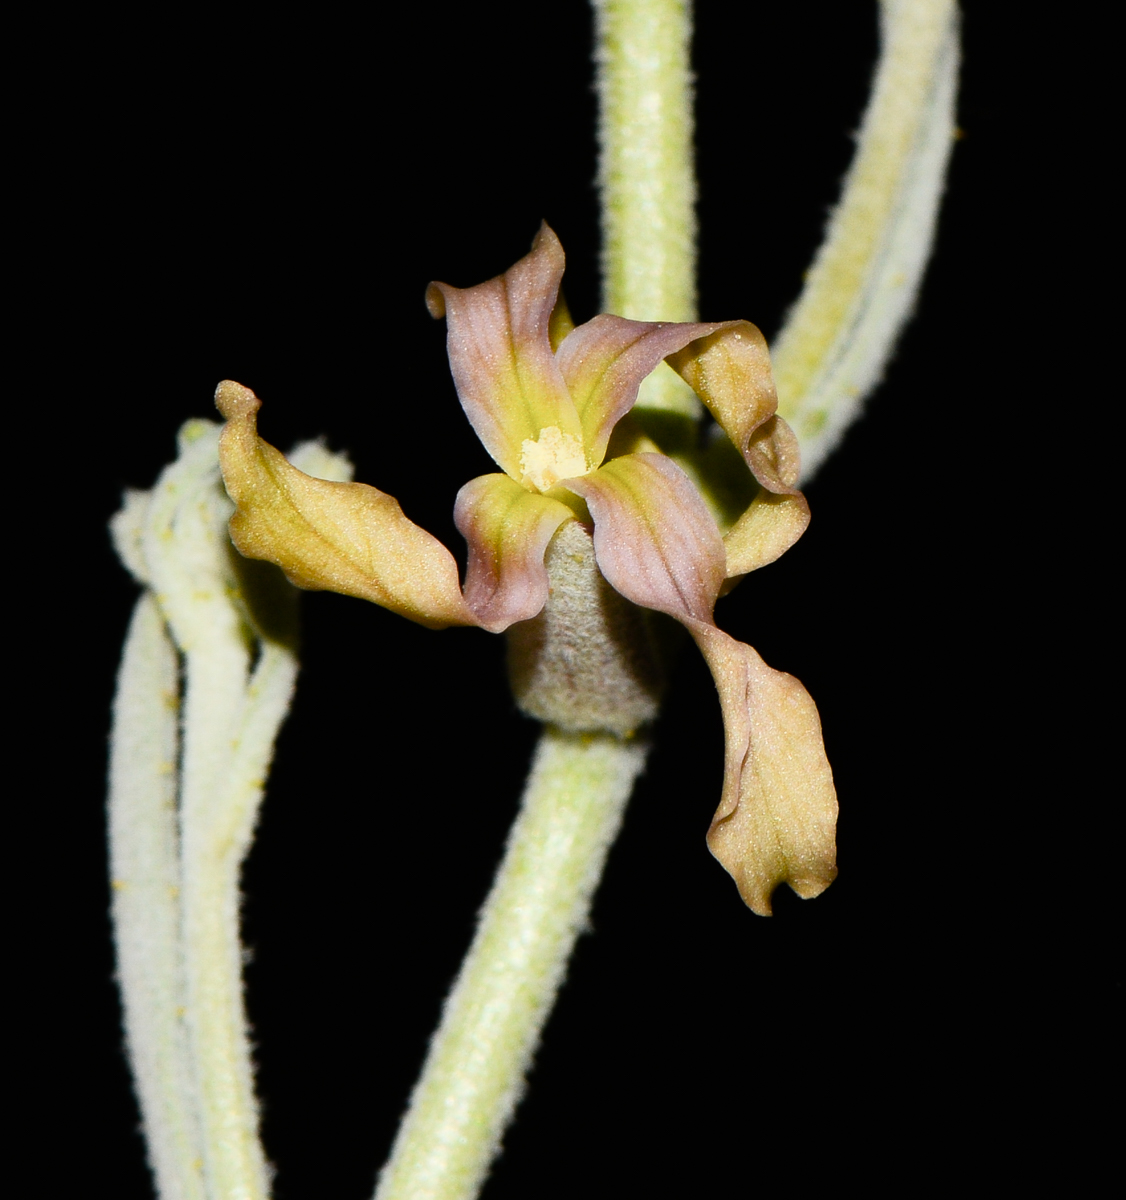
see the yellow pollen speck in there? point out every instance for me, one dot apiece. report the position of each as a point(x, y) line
point(554, 456)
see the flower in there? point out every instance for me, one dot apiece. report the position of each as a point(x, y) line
point(545, 397)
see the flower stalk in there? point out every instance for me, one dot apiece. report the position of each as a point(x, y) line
point(647, 173)
point(861, 288)
point(491, 1024)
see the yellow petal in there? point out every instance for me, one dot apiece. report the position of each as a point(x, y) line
point(765, 531)
point(779, 514)
point(340, 537)
point(730, 371)
point(776, 821)
point(774, 455)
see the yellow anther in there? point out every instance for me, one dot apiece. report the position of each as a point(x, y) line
point(554, 456)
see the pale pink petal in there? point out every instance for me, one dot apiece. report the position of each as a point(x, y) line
point(604, 361)
point(776, 821)
point(500, 353)
point(654, 538)
point(658, 546)
point(508, 529)
point(339, 537)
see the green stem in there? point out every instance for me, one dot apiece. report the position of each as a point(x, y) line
point(580, 783)
point(861, 288)
point(647, 173)
point(539, 904)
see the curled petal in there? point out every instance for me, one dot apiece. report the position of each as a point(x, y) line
point(604, 361)
point(658, 546)
point(341, 537)
point(508, 529)
point(776, 820)
point(774, 456)
point(779, 514)
point(730, 371)
point(768, 528)
point(499, 341)
point(654, 538)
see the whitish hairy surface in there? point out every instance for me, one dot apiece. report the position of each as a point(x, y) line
point(587, 662)
point(861, 288)
point(190, 749)
point(474, 1074)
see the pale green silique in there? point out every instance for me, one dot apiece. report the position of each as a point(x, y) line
point(145, 874)
point(190, 752)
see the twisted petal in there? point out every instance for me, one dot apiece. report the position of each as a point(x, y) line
point(774, 456)
point(657, 544)
point(768, 528)
point(779, 514)
point(730, 371)
point(776, 820)
point(654, 538)
point(343, 537)
point(499, 341)
point(604, 361)
point(508, 529)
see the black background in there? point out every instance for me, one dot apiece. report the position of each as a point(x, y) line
point(264, 196)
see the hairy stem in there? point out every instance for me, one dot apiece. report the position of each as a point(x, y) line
point(861, 288)
point(145, 871)
point(218, 813)
point(579, 785)
point(539, 904)
point(177, 839)
point(646, 173)
point(190, 568)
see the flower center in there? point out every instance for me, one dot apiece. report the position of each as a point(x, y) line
point(554, 456)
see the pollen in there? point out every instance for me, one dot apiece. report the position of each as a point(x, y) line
point(555, 455)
